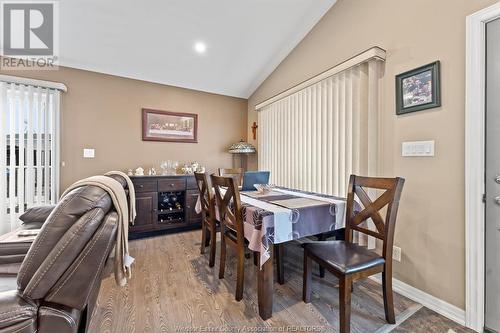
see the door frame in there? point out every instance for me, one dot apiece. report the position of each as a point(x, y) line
point(475, 164)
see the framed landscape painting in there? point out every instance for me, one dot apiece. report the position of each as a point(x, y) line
point(169, 126)
point(418, 89)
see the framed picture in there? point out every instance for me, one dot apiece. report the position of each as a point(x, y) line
point(169, 126)
point(418, 89)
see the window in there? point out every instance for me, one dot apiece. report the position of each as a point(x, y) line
point(314, 136)
point(29, 149)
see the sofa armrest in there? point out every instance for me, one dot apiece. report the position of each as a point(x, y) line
point(13, 252)
point(17, 313)
point(13, 248)
point(56, 318)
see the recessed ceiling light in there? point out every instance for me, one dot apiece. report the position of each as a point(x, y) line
point(200, 47)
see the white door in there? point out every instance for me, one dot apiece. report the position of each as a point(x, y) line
point(492, 177)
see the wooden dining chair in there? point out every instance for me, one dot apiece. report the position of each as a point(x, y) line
point(231, 226)
point(209, 221)
point(235, 172)
point(337, 234)
point(349, 261)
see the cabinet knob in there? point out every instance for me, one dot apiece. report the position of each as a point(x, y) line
point(171, 185)
point(141, 186)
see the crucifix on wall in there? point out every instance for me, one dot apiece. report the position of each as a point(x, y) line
point(254, 130)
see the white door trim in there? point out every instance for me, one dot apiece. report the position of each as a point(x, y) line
point(475, 164)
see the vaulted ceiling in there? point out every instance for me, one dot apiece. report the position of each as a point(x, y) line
point(155, 40)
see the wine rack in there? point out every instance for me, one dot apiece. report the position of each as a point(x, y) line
point(165, 203)
point(171, 207)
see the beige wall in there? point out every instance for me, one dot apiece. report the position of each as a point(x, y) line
point(430, 228)
point(104, 112)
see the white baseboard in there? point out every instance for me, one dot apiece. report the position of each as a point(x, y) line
point(435, 304)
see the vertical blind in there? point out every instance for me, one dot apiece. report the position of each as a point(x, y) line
point(315, 138)
point(29, 150)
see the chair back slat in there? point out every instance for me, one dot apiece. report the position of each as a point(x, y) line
point(207, 196)
point(227, 196)
point(233, 172)
point(384, 227)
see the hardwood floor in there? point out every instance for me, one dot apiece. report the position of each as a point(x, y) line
point(426, 320)
point(174, 290)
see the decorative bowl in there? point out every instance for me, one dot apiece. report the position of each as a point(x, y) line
point(262, 188)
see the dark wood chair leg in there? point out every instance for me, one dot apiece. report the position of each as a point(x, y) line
point(208, 238)
point(388, 296)
point(345, 304)
point(321, 272)
point(203, 238)
point(256, 259)
point(321, 238)
point(240, 274)
point(213, 245)
point(222, 266)
point(279, 253)
point(307, 279)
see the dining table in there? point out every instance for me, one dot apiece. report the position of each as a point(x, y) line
point(283, 215)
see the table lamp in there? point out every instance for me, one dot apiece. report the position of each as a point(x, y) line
point(242, 149)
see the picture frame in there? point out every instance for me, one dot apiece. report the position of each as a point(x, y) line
point(418, 89)
point(167, 126)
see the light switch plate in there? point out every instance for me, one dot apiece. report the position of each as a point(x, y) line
point(396, 253)
point(88, 153)
point(418, 148)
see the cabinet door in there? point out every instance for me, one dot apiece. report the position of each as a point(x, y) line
point(191, 215)
point(146, 204)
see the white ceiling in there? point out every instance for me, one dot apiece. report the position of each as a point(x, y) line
point(153, 40)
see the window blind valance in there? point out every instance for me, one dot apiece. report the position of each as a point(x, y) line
point(374, 53)
point(33, 82)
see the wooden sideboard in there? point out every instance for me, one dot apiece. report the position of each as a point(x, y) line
point(165, 202)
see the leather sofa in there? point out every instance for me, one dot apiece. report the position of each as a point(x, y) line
point(59, 279)
point(12, 254)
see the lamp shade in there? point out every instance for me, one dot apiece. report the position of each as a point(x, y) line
point(242, 147)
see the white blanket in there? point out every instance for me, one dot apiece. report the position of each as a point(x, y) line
point(131, 194)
